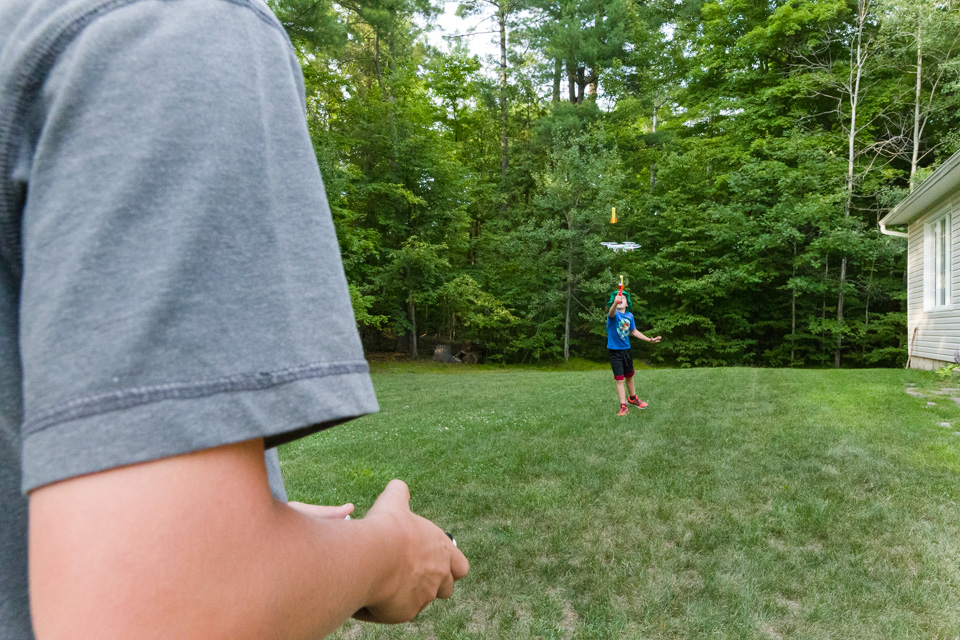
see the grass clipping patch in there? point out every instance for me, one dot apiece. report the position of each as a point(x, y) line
point(744, 503)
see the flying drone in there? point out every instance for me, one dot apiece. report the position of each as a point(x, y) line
point(619, 246)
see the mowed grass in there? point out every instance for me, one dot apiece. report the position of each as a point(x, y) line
point(744, 503)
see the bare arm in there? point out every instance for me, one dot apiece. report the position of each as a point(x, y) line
point(636, 334)
point(612, 311)
point(195, 546)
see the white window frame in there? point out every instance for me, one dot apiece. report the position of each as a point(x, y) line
point(938, 262)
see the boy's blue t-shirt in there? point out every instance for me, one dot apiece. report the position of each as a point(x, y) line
point(618, 330)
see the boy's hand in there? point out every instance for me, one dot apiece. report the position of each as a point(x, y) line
point(429, 561)
point(657, 339)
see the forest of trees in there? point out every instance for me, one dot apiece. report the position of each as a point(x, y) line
point(749, 147)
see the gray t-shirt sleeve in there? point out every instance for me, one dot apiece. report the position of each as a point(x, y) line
point(182, 284)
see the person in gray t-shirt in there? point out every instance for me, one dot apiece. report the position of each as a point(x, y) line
point(173, 307)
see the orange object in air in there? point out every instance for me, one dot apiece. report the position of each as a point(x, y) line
point(613, 216)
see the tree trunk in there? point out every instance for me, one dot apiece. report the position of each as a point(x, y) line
point(866, 303)
point(592, 85)
point(412, 313)
point(843, 277)
point(566, 330)
point(376, 58)
point(793, 310)
point(442, 353)
point(504, 157)
point(456, 124)
point(653, 166)
point(823, 299)
point(857, 71)
point(914, 158)
point(793, 328)
point(557, 72)
point(592, 77)
point(392, 114)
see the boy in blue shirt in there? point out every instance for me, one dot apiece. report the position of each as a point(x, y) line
point(620, 326)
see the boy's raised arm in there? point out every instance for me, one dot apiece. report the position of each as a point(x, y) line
point(612, 311)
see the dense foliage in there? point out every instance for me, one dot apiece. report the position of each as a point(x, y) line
point(748, 147)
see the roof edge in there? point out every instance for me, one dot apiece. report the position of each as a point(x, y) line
point(932, 190)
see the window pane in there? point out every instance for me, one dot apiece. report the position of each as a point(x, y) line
point(937, 261)
point(943, 261)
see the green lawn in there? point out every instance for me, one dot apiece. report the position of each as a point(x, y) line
point(744, 503)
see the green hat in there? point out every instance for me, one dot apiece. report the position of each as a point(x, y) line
point(614, 295)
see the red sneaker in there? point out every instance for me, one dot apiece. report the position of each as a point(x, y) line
point(623, 410)
point(637, 402)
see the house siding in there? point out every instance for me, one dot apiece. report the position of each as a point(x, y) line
point(937, 337)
